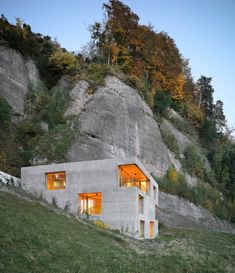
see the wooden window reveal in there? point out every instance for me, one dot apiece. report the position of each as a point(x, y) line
point(56, 181)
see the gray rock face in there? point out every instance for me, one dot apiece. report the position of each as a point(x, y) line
point(15, 75)
point(115, 121)
point(79, 98)
point(182, 140)
point(176, 212)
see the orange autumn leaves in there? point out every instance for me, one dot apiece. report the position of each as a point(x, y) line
point(150, 59)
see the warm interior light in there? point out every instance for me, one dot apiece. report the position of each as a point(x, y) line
point(90, 203)
point(56, 181)
point(132, 176)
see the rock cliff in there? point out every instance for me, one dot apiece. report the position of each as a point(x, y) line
point(114, 121)
point(16, 73)
point(176, 212)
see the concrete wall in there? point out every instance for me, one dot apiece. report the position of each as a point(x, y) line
point(120, 205)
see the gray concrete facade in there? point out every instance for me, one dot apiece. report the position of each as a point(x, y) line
point(120, 205)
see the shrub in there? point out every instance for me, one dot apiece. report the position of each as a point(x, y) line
point(162, 101)
point(200, 194)
point(184, 127)
point(193, 162)
point(53, 144)
point(231, 209)
point(192, 113)
point(171, 143)
point(54, 202)
point(67, 206)
point(174, 183)
point(5, 114)
point(43, 105)
point(100, 224)
point(172, 174)
point(95, 74)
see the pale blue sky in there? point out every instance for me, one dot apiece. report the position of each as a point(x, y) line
point(204, 31)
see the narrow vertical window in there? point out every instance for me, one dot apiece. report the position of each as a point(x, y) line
point(142, 229)
point(141, 204)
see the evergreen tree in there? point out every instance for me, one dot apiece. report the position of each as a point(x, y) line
point(205, 96)
point(219, 116)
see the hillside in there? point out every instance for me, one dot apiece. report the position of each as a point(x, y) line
point(38, 238)
point(127, 95)
point(70, 123)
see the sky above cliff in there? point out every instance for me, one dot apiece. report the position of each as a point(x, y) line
point(204, 31)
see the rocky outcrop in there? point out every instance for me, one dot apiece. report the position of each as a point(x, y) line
point(79, 98)
point(15, 74)
point(115, 121)
point(176, 212)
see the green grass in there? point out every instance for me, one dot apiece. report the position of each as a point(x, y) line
point(37, 238)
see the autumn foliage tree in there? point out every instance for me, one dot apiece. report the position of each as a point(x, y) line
point(150, 60)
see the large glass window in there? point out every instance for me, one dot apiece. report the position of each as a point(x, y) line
point(56, 181)
point(132, 176)
point(90, 203)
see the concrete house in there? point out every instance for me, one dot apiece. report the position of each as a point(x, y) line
point(119, 192)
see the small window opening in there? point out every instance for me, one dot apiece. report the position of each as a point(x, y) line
point(141, 204)
point(56, 181)
point(142, 229)
point(91, 203)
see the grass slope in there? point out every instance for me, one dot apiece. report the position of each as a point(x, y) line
point(35, 238)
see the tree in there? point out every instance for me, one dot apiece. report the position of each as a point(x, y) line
point(162, 102)
point(205, 96)
point(219, 116)
point(63, 61)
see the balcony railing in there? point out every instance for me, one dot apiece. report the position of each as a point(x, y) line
point(142, 185)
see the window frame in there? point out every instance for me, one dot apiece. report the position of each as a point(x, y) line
point(142, 224)
point(141, 201)
point(54, 188)
point(148, 180)
point(80, 200)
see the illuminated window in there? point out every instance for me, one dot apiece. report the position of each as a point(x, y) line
point(56, 181)
point(141, 229)
point(141, 204)
point(151, 229)
point(132, 176)
point(90, 203)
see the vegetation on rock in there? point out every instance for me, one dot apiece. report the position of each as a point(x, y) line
point(146, 59)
